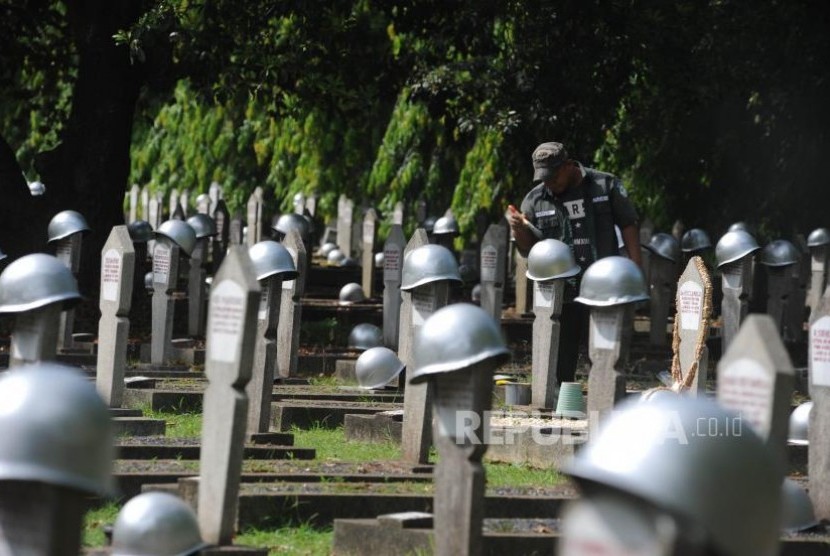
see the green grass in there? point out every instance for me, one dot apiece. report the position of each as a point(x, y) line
point(302, 540)
point(332, 445)
point(179, 425)
point(94, 522)
point(513, 475)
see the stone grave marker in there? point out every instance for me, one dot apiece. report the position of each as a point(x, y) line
point(203, 204)
point(145, 204)
point(522, 290)
point(780, 281)
point(178, 214)
point(196, 288)
point(819, 255)
point(756, 379)
point(345, 213)
point(236, 229)
point(154, 212)
point(646, 231)
point(260, 388)
point(231, 330)
point(662, 281)
point(393, 250)
point(606, 347)
point(690, 360)
point(416, 306)
point(493, 265)
point(173, 203)
point(68, 251)
point(397, 214)
point(311, 204)
point(736, 284)
point(288, 331)
point(184, 202)
point(370, 220)
point(254, 215)
point(299, 203)
point(219, 242)
point(165, 274)
point(134, 192)
point(420, 211)
point(819, 428)
point(35, 335)
point(547, 306)
point(797, 313)
point(215, 194)
point(117, 273)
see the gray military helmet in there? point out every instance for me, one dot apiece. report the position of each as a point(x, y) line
point(818, 237)
point(365, 336)
point(140, 231)
point(475, 294)
point(779, 252)
point(665, 246)
point(429, 224)
point(351, 293)
point(66, 223)
point(203, 225)
point(427, 264)
point(36, 188)
point(734, 245)
point(379, 259)
point(742, 227)
point(271, 259)
point(148, 280)
point(292, 221)
point(797, 511)
point(446, 225)
point(2, 255)
point(348, 262)
point(376, 367)
point(327, 248)
point(55, 429)
point(656, 452)
point(335, 256)
point(800, 424)
point(156, 524)
point(179, 232)
point(612, 281)
point(35, 281)
point(695, 240)
point(202, 198)
point(457, 337)
point(550, 259)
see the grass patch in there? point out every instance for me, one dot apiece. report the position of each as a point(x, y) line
point(94, 522)
point(302, 540)
point(179, 425)
point(331, 444)
point(513, 475)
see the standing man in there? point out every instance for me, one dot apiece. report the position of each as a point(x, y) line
point(580, 207)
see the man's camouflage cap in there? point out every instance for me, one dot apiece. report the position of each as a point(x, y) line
point(546, 158)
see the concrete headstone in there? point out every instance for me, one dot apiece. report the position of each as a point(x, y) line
point(606, 379)
point(254, 215)
point(662, 277)
point(68, 251)
point(736, 285)
point(547, 306)
point(493, 266)
point(134, 193)
point(288, 332)
point(219, 242)
point(345, 212)
point(370, 220)
point(393, 250)
point(819, 426)
point(165, 273)
point(690, 361)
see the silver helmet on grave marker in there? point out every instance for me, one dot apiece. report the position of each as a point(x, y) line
point(327, 248)
point(741, 227)
point(779, 252)
point(203, 225)
point(335, 256)
point(140, 231)
point(800, 424)
point(270, 259)
point(292, 221)
point(612, 281)
point(365, 336)
point(156, 524)
point(734, 245)
point(457, 337)
point(36, 188)
point(797, 511)
point(376, 367)
point(66, 223)
point(351, 293)
point(180, 233)
point(550, 259)
point(695, 240)
point(427, 264)
point(818, 237)
point(34, 281)
point(446, 225)
point(55, 429)
point(724, 483)
point(665, 246)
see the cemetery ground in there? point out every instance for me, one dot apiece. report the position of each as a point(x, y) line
point(335, 455)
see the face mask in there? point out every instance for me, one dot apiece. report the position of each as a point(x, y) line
point(613, 525)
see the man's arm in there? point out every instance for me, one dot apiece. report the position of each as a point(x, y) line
point(631, 239)
point(523, 233)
